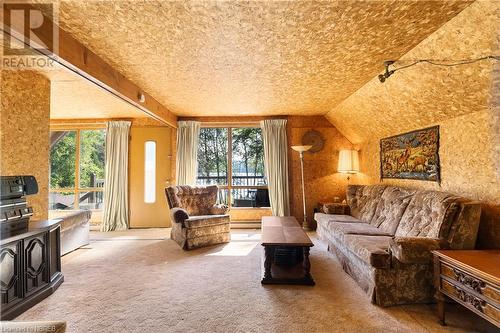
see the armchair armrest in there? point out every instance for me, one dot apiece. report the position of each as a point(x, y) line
point(179, 215)
point(415, 250)
point(219, 209)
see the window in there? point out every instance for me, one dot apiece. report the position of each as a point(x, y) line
point(77, 159)
point(233, 158)
point(150, 172)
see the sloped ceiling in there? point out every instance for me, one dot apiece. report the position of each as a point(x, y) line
point(423, 94)
point(72, 97)
point(261, 58)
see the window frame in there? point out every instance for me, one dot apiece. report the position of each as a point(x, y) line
point(229, 187)
point(77, 189)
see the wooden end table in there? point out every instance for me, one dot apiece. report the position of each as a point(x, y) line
point(471, 278)
point(286, 252)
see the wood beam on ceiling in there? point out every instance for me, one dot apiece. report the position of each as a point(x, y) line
point(73, 55)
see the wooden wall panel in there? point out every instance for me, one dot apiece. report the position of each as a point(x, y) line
point(24, 136)
point(322, 182)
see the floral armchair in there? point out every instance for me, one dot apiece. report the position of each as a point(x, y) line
point(197, 219)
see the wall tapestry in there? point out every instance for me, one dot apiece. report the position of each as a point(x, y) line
point(412, 155)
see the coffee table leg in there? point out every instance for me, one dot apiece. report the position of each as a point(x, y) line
point(307, 264)
point(268, 252)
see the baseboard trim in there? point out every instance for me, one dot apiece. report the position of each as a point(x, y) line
point(246, 225)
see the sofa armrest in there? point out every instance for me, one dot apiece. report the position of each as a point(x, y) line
point(179, 215)
point(415, 250)
point(219, 209)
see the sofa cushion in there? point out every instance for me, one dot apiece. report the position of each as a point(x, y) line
point(333, 218)
point(339, 230)
point(363, 200)
point(374, 250)
point(390, 208)
point(429, 214)
point(206, 220)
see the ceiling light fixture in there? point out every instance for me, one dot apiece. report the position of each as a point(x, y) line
point(447, 63)
point(141, 97)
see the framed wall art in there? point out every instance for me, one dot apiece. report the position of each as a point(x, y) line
point(412, 155)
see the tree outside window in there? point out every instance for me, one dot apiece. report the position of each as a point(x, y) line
point(77, 160)
point(233, 158)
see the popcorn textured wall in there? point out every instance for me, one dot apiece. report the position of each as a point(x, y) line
point(459, 99)
point(24, 143)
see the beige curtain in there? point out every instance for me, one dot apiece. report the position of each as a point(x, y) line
point(116, 178)
point(187, 149)
point(276, 164)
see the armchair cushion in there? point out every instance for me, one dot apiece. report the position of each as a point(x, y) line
point(206, 221)
point(219, 209)
point(415, 250)
point(196, 200)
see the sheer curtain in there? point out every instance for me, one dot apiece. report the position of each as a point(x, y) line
point(276, 164)
point(116, 177)
point(187, 150)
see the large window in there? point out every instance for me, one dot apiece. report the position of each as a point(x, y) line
point(77, 169)
point(233, 158)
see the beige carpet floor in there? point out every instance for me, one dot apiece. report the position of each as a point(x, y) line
point(140, 281)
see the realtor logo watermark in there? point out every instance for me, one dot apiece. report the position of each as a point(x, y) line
point(31, 34)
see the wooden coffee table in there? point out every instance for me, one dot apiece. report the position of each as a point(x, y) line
point(286, 252)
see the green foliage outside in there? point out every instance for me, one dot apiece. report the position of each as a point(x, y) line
point(212, 155)
point(62, 162)
point(248, 156)
point(92, 157)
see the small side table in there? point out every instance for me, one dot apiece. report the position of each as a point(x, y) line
point(333, 208)
point(470, 278)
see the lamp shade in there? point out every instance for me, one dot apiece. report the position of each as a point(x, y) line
point(301, 148)
point(348, 161)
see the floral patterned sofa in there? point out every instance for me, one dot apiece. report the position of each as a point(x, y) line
point(197, 220)
point(385, 243)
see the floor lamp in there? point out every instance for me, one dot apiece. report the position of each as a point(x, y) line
point(301, 150)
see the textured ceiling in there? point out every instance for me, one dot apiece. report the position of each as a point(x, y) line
point(423, 94)
point(263, 58)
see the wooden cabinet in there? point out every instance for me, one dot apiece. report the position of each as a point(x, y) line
point(30, 266)
point(11, 274)
point(471, 278)
point(35, 263)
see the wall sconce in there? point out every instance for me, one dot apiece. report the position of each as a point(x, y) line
point(348, 162)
